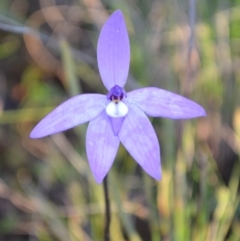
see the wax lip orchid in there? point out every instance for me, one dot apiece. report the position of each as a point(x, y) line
point(119, 116)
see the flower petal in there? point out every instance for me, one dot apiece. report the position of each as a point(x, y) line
point(140, 140)
point(101, 145)
point(113, 51)
point(161, 103)
point(75, 111)
point(116, 124)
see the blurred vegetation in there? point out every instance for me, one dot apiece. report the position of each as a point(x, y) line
point(48, 53)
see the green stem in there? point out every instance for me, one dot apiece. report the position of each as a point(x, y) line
point(107, 210)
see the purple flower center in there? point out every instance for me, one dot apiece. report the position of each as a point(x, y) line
point(116, 94)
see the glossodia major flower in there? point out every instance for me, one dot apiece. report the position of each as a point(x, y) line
point(119, 116)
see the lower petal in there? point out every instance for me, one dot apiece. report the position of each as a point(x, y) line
point(101, 145)
point(140, 140)
point(116, 124)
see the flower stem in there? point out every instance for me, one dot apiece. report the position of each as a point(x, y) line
point(107, 210)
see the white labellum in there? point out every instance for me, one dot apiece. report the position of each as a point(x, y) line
point(116, 109)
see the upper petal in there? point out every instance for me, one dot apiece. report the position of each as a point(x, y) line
point(101, 145)
point(113, 51)
point(139, 138)
point(161, 103)
point(75, 111)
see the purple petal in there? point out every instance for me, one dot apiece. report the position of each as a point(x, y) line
point(75, 111)
point(140, 140)
point(161, 103)
point(116, 124)
point(101, 145)
point(113, 51)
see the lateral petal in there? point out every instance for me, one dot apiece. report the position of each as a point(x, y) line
point(140, 140)
point(73, 112)
point(101, 146)
point(162, 103)
point(113, 51)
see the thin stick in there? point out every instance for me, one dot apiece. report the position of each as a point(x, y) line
point(12, 26)
point(191, 43)
point(192, 19)
point(107, 210)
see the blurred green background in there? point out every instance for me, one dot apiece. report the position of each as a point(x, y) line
point(48, 53)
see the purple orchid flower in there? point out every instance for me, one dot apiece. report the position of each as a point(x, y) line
point(119, 116)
